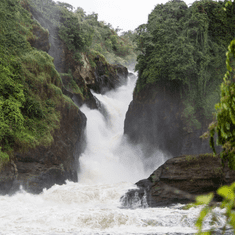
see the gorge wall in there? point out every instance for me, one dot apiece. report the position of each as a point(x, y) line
point(180, 67)
point(155, 118)
point(54, 159)
point(78, 77)
point(175, 95)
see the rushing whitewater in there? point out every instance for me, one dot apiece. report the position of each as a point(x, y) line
point(108, 168)
point(109, 158)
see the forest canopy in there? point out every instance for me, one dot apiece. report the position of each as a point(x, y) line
point(83, 32)
point(30, 86)
point(185, 47)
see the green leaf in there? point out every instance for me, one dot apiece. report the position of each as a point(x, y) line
point(232, 220)
point(206, 233)
point(232, 186)
point(226, 192)
point(201, 217)
point(204, 199)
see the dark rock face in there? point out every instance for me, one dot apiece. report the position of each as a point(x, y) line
point(91, 101)
point(40, 41)
point(108, 77)
point(43, 167)
point(102, 78)
point(122, 72)
point(56, 49)
point(155, 118)
point(8, 174)
point(179, 179)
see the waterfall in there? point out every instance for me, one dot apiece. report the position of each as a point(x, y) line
point(109, 158)
point(108, 168)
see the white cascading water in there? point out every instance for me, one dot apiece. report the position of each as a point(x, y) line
point(109, 167)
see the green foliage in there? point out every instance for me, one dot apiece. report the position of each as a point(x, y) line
point(228, 203)
point(93, 54)
point(30, 86)
point(15, 25)
point(82, 32)
point(4, 157)
point(116, 49)
point(225, 115)
point(49, 9)
point(190, 118)
point(11, 100)
point(186, 45)
point(76, 36)
point(224, 126)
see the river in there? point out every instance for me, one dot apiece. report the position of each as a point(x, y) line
point(109, 167)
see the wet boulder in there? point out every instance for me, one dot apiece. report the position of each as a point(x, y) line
point(180, 179)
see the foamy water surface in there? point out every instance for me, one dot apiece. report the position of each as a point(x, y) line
point(109, 167)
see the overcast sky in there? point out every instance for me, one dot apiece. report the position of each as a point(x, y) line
point(127, 14)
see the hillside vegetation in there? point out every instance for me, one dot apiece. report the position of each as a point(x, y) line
point(30, 86)
point(184, 48)
point(83, 32)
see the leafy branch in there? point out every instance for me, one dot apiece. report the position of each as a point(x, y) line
point(228, 204)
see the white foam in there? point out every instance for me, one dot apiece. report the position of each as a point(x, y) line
point(109, 167)
point(109, 158)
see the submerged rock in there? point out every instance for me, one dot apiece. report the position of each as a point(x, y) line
point(180, 179)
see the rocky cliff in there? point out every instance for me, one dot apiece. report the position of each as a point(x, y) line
point(46, 165)
point(42, 167)
point(179, 179)
point(78, 76)
point(156, 118)
point(55, 159)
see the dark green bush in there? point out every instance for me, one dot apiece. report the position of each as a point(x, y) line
point(186, 45)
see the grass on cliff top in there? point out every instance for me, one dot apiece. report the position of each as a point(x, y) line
point(30, 86)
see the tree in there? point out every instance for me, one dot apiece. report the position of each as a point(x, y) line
point(11, 101)
point(80, 13)
point(66, 5)
point(76, 36)
point(225, 116)
point(224, 126)
point(183, 48)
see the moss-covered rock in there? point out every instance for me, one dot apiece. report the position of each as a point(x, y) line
point(41, 129)
point(44, 166)
point(40, 41)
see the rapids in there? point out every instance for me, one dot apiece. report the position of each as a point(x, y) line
point(108, 168)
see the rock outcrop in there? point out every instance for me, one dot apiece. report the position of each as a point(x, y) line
point(40, 39)
point(107, 76)
point(179, 179)
point(8, 174)
point(155, 118)
point(42, 167)
point(100, 77)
